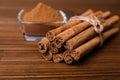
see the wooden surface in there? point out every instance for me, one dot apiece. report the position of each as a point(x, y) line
point(21, 60)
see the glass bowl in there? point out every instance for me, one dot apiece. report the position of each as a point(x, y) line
point(35, 31)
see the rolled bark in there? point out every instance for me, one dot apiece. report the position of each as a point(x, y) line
point(51, 45)
point(47, 56)
point(88, 34)
point(68, 59)
point(57, 58)
point(55, 49)
point(88, 12)
point(67, 34)
point(83, 49)
point(43, 45)
point(52, 33)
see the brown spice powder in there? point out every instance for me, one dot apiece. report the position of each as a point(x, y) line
point(42, 13)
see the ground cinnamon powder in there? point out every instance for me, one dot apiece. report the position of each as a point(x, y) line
point(42, 13)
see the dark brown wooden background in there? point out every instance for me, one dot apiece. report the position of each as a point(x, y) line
point(21, 60)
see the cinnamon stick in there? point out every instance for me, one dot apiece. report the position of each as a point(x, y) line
point(53, 47)
point(43, 45)
point(67, 34)
point(55, 50)
point(52, 33)
point(88, 34)
point(47, 56)
point(68, 59)
point(90, 45)
point(57, 58)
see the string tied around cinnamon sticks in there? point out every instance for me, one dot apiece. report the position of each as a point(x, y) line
point(95, 22)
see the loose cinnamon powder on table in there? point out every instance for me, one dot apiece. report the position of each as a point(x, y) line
point(42, 13)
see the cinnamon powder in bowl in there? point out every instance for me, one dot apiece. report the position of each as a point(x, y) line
point(35, 23)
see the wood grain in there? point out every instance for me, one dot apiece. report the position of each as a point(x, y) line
point(21, 60)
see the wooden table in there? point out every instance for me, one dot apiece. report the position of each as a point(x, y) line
point(21, 60)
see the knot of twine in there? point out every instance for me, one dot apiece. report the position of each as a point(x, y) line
point(95, 22)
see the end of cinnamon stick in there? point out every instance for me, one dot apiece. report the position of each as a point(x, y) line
point(42, 48)
point(57, 58)
point(50, 36)
point(106, 14)
point(47, 56)
point(75, 55)
point(88, 12)
point(67, 58)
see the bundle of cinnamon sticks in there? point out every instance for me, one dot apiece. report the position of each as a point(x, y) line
point(69, 42)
